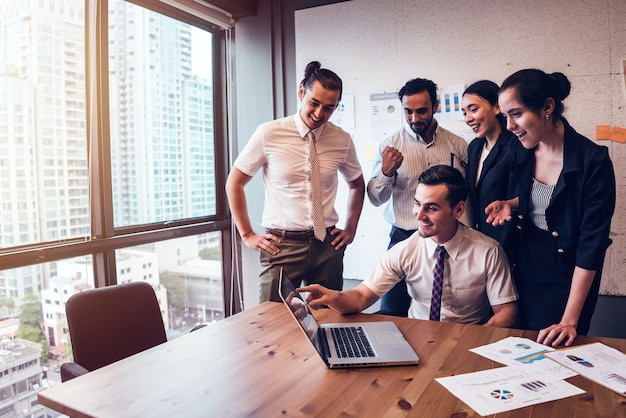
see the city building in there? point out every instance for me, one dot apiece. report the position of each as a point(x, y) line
point(21, 378)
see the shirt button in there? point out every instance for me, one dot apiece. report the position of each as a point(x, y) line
point(520, 216)
point(560, 250)
point(555, 234)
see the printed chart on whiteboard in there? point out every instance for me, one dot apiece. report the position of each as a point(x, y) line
point(449, 98)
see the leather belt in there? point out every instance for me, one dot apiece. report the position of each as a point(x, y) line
point(296, 235)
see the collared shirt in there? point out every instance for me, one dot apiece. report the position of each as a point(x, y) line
point(280, 149)
point(476, 276)
point(398, 192)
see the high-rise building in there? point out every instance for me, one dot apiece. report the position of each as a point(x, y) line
point(44, 192)
point(162, 153)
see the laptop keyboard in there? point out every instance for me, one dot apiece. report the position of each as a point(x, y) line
point(351, 342)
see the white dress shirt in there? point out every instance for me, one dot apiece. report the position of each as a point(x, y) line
point(476, 275)
point(280, 149)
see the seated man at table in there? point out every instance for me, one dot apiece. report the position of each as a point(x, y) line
point(453, 273)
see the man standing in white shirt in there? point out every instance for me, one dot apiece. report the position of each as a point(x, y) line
point(401, 158)
point(475, 280)
point(283, 149)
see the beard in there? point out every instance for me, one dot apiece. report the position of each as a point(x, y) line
point(421, 127)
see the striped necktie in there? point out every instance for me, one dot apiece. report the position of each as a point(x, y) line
point(317, 212)
point(435, 301)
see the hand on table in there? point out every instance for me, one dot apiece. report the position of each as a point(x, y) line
point(556, 334)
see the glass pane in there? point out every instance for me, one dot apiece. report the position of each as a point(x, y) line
point(161, 113)
point(187, 275)
point(44, 187)
point(34, 337)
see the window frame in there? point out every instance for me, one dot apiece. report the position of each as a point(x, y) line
point(105, 238)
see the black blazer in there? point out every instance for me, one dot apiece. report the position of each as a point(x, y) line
point(493, 182)
point(582, 205)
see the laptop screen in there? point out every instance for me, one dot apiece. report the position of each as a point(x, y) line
point(298, 306)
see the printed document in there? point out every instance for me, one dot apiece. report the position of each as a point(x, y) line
point(506, 388)
point(525, 353)
point(597, 362)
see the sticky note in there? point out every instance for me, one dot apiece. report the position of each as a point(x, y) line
point(618, 134)
point(603, 132)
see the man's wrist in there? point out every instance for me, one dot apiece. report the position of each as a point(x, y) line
point(386, 176)
point(246, 235)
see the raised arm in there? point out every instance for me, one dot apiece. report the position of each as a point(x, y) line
point(380, 186)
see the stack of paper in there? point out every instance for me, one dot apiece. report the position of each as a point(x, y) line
point(529, 378)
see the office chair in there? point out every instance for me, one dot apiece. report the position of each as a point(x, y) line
point(110, 323)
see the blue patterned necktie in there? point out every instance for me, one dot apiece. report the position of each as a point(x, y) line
point(435, 300)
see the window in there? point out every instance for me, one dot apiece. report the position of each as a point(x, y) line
point(127, 185)
point(160, 172)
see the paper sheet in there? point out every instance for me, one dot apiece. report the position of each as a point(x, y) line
point(343, 116)
point(504, 389)
point(525, 353)
point(598, 362)
point(385, 115)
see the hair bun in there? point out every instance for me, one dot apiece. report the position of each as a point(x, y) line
point(311, 67)
point(562, 83)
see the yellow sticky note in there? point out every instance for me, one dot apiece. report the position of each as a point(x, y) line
point(603, 132)
point(618, 134)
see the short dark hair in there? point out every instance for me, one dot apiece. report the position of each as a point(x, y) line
point(327, 78)
point(451, 177)
point(488, 90)
point(533, 87)
point(418, 85)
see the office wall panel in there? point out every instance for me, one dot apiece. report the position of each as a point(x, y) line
point(376, 46)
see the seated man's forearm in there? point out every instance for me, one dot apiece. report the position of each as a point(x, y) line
point(505, 316)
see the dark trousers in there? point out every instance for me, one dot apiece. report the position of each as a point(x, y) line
point(396, 302)
point(305, 262)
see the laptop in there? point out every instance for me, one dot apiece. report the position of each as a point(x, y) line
point(356, 344)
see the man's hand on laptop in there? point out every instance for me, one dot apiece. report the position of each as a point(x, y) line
point(347, 301)
point(318, 296)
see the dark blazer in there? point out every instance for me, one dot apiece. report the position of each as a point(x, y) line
point(493, 182)
point(582, 205)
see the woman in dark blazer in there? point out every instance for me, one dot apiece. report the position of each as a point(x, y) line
point(566, 198)
point(487, 171)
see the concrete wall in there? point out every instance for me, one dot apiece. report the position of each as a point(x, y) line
point(376, 46)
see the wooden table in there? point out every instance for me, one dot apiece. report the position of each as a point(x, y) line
point(258, 363)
